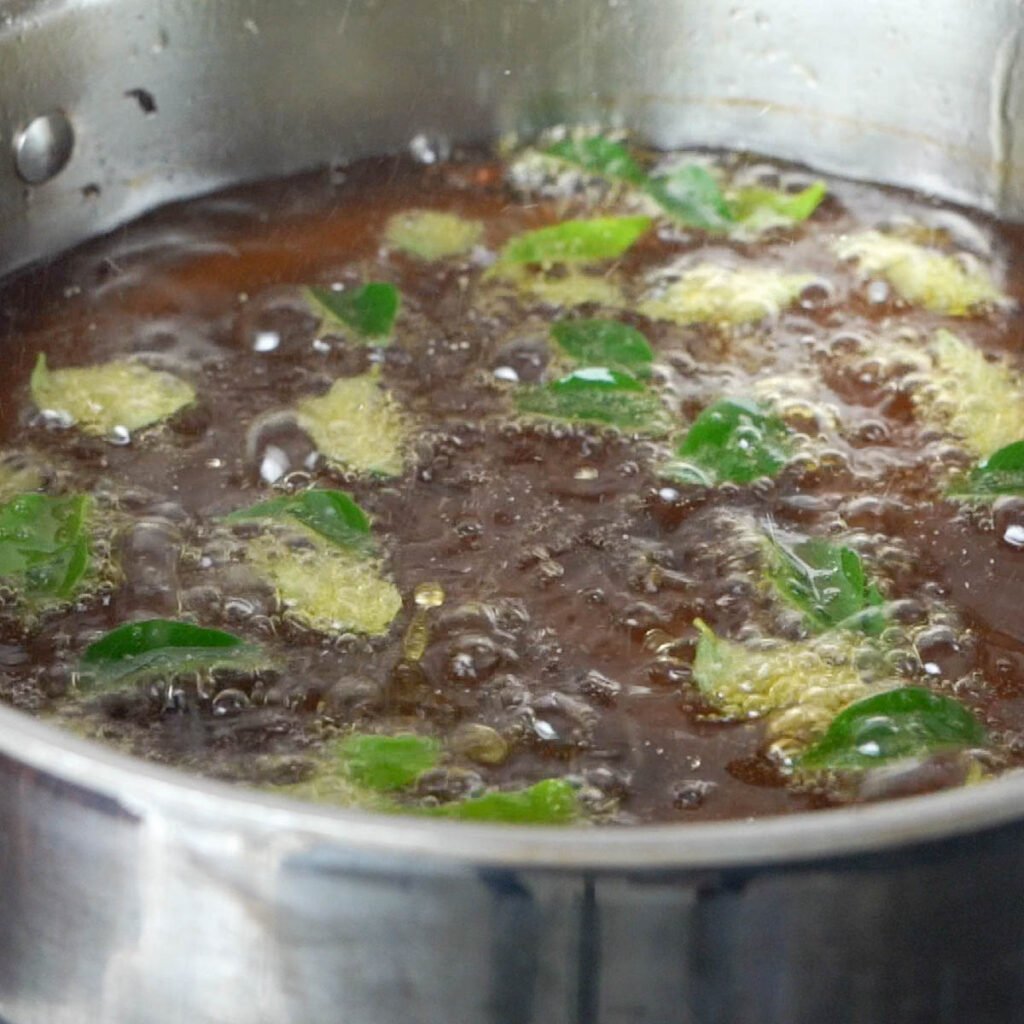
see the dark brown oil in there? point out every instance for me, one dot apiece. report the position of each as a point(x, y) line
point(559, 549)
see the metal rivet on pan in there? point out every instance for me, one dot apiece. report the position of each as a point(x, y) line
point(43, 147)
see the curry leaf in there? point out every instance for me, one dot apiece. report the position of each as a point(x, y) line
point(1000, 473)
point(577, 241)
point(733, 440)
point(357, 424)
point(370, 311)
point(387, 763)
point(164, 647)
point(596, 394)
point(907, 722)
point(761, 208)
point(601, 156)
point(101, 399)
point(827, 583)
point(551, 802)
point(692, 196)
point(603, 342)
point(44, 545)
point(432, 234)
point(332, 514)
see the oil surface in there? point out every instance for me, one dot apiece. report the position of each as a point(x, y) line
point(568, 564)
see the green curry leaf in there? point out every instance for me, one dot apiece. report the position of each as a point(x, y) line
point(387, 763)
point(692, 196)
point(163, 647)
point(827, 583)
point(603, 343)
point(732, 440)
point(370, 311)
point(332, 514)
point(576, 241)
point(551, 802)
point(596, 394)
point(907, 722)
point(600, 156)
point(1000, 473)
point(44, 544)
point(762, 208)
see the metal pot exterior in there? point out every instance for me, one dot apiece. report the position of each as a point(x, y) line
point(132, 894)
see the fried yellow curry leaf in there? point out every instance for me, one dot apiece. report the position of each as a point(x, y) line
point(327, 588)
point(100, 399)
point(44, 545)
point(978, 400)
point(357, 425)
point(603, 343)
point(369, 311)
point(164, 648)
point(921, 275)
point(550, 802)
point(576, 241)
point(1001, 473)
point(596, 394)
point(734, 440)
point(801, 685)
point(432, 234)
point(567, 290)
point(907, 722)
point(716, 295)
point(826, 582)
point(333, 515)
point(387, 763)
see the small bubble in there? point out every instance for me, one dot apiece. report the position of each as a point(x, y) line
point(506, 373)
point(878, 292)
point(1014, 536)
point(120, 436)
point(545, 730)
point(266, 341)
point(428, 150)
point(274, 464)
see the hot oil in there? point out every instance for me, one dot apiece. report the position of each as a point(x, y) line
point(558, 574)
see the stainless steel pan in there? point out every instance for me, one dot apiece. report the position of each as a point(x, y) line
point(133, 894)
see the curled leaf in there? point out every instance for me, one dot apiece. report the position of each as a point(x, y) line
point(333, 515)
point(908, 722)
point(732, 440)
point(163, 647)
point(370, 311)
point(692, 196)
point(827, 583)
point(577, 241)
point(1000, 473)
point(44, 545)
point(603, 343)
point(596, 394)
